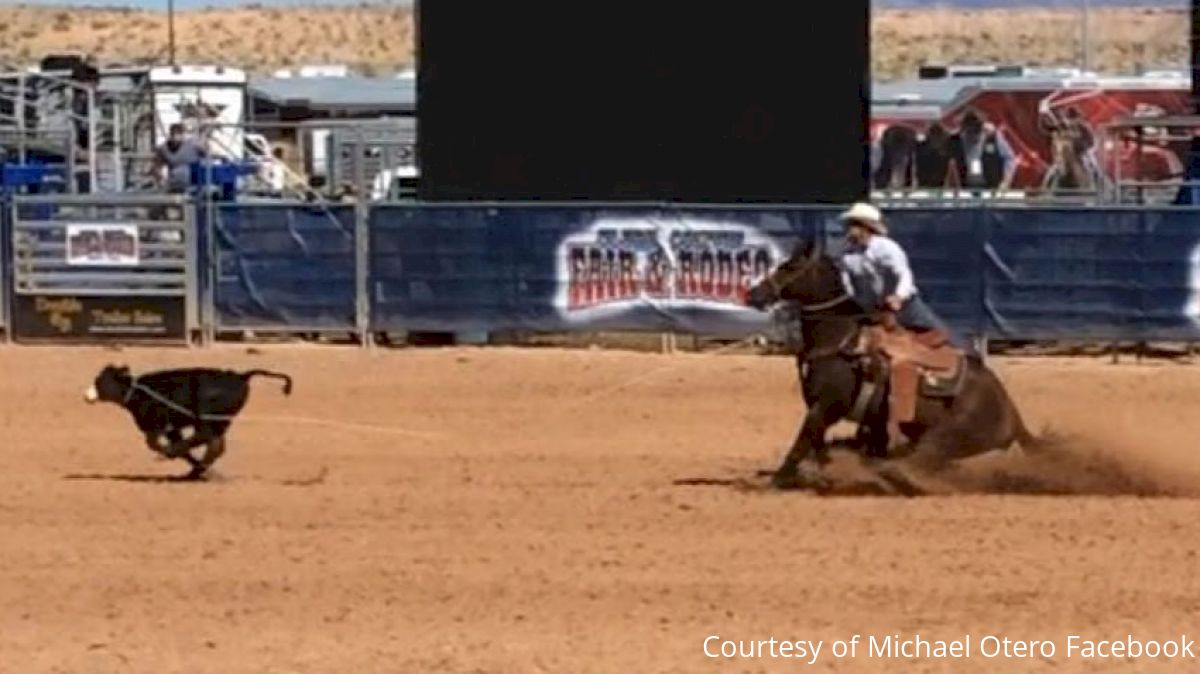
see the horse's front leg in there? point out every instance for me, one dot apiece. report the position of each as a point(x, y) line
point(809, 442)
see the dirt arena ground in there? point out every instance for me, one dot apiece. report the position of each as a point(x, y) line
point(516, 511)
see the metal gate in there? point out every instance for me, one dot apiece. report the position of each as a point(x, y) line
point(113, 268)
point(5, 260)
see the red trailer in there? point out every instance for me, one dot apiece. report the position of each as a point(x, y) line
point(1042, 132)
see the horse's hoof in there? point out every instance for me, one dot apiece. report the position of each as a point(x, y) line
point(816, 481)
point(804, 477)
point(899, 480)
point(872, 459)
point(785, 480)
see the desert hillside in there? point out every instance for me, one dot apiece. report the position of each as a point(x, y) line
point(380, 39)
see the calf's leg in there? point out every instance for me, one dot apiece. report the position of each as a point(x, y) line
point(213, 451)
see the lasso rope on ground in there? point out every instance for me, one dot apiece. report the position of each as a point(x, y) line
point(654, 372)
point(436, 436)
point(347, 425)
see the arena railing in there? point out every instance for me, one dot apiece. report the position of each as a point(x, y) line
point(102, 268)
point(1008, 272)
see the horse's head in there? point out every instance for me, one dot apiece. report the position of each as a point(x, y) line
point(808, 276)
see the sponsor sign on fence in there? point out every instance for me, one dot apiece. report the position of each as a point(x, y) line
point(618, 263)
point(83, 318)
point(102, 245)
point(102, 269)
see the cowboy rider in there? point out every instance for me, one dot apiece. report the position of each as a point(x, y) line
point(877, 274)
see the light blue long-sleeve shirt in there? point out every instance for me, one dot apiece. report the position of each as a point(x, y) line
point(873, 272)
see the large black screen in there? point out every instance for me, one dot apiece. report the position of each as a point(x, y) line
point(762, 101)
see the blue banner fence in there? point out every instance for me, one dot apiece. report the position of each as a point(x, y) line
point(1000, 273)
point(6, 260)
point(281, 267)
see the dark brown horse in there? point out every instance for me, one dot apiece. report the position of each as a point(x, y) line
point(954, 420)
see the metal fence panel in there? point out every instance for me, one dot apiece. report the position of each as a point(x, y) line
point(946, 251)
point(1170, 278)
point(1092, 274)
point(283, 266)
point(5, 259)
point(98, 268)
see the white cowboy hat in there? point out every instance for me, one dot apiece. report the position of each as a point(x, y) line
point(866, 215)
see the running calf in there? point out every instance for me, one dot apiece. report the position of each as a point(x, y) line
point(166, 405)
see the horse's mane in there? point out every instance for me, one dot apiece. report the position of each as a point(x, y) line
point(815, 249)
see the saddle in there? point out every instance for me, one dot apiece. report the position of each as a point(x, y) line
point(917, 364)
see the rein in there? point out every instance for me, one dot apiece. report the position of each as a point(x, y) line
point(807, 311)
point(778, 285)
point(811, 312)
point(822, 306)
point(837, 350)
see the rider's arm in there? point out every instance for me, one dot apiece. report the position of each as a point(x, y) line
point(890, 255)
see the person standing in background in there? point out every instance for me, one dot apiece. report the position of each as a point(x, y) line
point(173, 160)
point(985, 160)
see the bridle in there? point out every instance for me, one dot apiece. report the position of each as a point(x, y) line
point(806, 267)
point(793, 274)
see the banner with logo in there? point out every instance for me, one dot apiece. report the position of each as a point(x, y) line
point(102, 245)
point(1006, 273)
point(661, 264)
point(461, 268)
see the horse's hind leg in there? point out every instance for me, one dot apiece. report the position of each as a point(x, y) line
point(932, 452)
point(939, 445)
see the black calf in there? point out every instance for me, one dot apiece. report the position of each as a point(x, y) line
point(168, 403)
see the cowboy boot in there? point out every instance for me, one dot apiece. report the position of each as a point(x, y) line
point(902, 400)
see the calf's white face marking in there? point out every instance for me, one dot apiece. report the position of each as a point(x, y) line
point(91, 395)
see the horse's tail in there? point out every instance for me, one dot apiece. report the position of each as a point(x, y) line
point(1022, 435)
point(287, 381)
point(1020, 432)
point(1029, 442)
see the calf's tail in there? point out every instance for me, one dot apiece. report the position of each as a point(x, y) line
point(287, 381)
